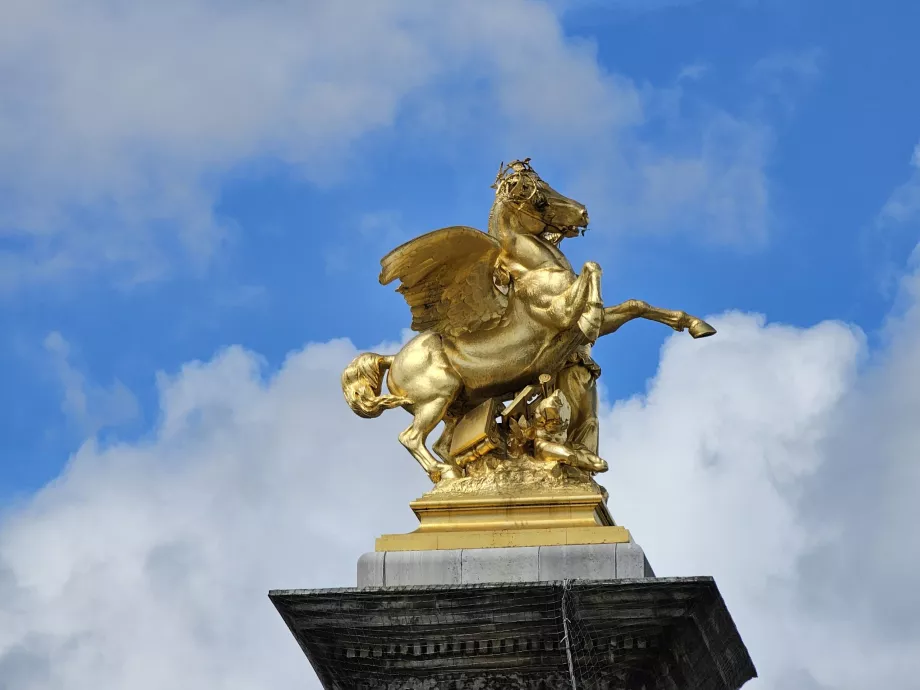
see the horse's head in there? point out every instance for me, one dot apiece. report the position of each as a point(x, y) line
point(538, 208)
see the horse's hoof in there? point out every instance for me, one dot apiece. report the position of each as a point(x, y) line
point(444, 471)
point(701, 329)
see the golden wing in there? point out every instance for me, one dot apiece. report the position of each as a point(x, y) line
point(446, 278)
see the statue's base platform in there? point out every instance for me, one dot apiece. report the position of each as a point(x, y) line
point(647, 634)
point(499, 521)
point(505, 589)
point(501, 538)
point(520, 564)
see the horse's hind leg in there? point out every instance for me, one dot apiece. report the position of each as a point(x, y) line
point(422, 373)
point(442, 445)
point(427, 416)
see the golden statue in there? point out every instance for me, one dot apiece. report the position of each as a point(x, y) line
point(503, 355)
point(503, 358)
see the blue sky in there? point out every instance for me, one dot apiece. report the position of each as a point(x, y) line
point(181, 179)
point(826, 83)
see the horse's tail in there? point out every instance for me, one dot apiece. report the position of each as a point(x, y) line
point(361, 384)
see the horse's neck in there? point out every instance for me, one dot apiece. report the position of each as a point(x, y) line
point(495, 218)
point(550, 254)
point(524, 248)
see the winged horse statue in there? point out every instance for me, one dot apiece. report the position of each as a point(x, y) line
point(495, 310)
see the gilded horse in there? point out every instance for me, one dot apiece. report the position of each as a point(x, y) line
point(493, 311)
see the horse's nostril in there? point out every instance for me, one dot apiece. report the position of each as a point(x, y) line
point(584, 216)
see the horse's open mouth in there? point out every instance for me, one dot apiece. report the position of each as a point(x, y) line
point(556, 234)
point(569, 230)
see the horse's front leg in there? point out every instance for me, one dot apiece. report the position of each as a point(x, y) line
point(614, 317)
point(581, 303)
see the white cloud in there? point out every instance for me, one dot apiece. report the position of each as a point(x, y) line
point(693, 71)
point(119, 118)
point(713, 460)
point(147, 566)
point(780, 70)
point(892, 235)
point(89, 406)
point(904, 203)
point(621, 5)
point(772, 457)
point(783, 461)
point(715, 188)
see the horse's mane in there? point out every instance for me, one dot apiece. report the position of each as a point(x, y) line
point(509, 186)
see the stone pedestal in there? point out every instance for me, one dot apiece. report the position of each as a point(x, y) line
point(494, 592)
point(647, 634)
point(513, 564)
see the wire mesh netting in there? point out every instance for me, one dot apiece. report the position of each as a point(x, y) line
point(578, 635)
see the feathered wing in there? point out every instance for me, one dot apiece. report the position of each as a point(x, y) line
point(446, 278)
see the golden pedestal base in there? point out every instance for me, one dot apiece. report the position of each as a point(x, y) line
point(482, 522)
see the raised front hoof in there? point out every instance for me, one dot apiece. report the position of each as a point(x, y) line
point(701, 329)
point(444, 471)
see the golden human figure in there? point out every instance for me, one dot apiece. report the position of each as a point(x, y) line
point(495, 312)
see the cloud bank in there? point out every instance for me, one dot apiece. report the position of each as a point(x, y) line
point(781, 460)
point(120, 120)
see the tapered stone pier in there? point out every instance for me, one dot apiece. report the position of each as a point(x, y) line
point(567, 616)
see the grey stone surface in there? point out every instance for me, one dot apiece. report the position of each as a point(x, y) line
point(513, 564)
point(370, 569)
point(578, 561)
point(422, 568)
point(645, 634)
point(517, 564)
point(631, 561)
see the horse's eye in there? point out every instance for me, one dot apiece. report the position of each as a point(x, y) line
point(540, 203)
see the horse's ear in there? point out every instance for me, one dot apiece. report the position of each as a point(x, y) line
point(498, 177)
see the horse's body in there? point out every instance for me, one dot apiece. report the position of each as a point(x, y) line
point(549, 313)
point(524, 345)
point(523, 358)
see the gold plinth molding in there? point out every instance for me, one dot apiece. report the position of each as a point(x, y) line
point(501, 521)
